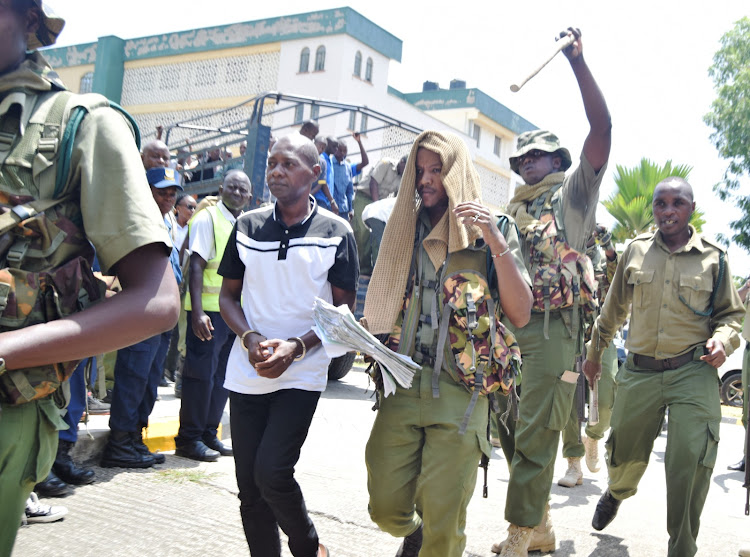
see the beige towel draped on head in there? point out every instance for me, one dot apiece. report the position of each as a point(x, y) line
point(461, 182)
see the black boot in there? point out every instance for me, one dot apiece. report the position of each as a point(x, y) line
point(120, 452)
point(67, 470)
point(411, 545)
point(739, 467)
point(142, 448)
point(52, 487)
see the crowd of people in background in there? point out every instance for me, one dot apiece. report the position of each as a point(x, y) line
point(232, 336)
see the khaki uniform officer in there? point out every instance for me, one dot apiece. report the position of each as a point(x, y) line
point(685, 319)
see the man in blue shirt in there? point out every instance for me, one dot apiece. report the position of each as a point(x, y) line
point(322, 187)
point(139, 367)
point(343, 173)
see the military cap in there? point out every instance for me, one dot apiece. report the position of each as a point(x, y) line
point(50, 26)
point(542, 140)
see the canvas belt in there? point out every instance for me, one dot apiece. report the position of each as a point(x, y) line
point(663, 365)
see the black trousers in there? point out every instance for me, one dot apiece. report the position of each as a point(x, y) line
point(203, 394)
point(267, 434)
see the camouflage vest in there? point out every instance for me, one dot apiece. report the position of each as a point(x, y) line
point(473, 346)
point(561, 277)
point(45, 257)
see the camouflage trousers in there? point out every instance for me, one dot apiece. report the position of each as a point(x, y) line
point(419, 469)
point(28, 445)
point(544, 410)
point(572, 447)
point(643, 395)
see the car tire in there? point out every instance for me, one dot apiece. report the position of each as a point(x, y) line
point(731, 389)
point(340, 366)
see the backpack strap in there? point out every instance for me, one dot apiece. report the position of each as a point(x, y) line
point(67, 141)
point(50, 111)
point(538, 205)
point(442, 337)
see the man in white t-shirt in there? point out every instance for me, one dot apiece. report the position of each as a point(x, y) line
point(277, 261)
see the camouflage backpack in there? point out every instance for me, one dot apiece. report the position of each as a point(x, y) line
point(473, 345)
point(561, 277)
point(45, 257)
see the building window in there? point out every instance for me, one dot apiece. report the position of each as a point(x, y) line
point(363, 124)
point(314, 111)
point(476, 133)
point(320, 59)
point(368, 70)
point(299, 113)
point(87, 83)
point(358, 64)
point(498, 146)
point(304, 60)
point(352, 120)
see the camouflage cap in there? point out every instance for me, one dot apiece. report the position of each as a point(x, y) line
point(542, 140)
point(50, 27)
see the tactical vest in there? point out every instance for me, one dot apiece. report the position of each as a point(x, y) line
point(211, 278)
point(45, 257)
point(473, 345)
point(561, 277)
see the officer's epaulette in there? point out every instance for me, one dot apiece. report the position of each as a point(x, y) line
point(714, 244)
point(644, 236)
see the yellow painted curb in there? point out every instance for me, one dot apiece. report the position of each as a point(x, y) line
point(160, 434)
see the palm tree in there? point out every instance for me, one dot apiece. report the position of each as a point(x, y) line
point(630, 204)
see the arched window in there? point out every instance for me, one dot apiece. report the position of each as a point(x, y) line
point(368, 70)
point(304, 60)
point(358, 64)
point(87, 83)
point(320, 59)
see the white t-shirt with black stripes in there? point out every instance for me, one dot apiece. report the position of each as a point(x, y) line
point(283, 270)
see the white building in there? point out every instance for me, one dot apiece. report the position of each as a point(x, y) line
point(331, 55)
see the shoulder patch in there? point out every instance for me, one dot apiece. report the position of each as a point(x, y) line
point(714, 244)
point(644, 236)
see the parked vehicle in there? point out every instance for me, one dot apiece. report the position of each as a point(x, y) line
point(730, 379)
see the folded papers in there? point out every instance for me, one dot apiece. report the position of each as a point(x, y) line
point(339, 332)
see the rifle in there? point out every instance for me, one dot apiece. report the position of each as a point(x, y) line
point(580, 395)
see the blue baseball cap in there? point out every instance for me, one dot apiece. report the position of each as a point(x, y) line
point(163, 178)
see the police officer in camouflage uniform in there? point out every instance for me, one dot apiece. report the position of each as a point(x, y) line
point(106, 174)
point(421, 466)
point(547, 398)
point(684, 321)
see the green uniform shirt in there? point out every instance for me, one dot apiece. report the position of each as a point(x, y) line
point(119, 213)
point(661, 325)
point(746, 326)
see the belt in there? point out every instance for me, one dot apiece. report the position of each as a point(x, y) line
point(663, 365)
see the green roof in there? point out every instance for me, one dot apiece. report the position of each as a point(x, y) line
point(445, 99)
point(300, 26)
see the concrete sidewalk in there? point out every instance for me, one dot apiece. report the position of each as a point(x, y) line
point(163, 425)
point(185, 508)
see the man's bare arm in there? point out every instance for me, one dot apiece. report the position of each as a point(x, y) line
point(599, 140)
point(149, 304)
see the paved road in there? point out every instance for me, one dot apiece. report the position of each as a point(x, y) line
point(187, 509)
